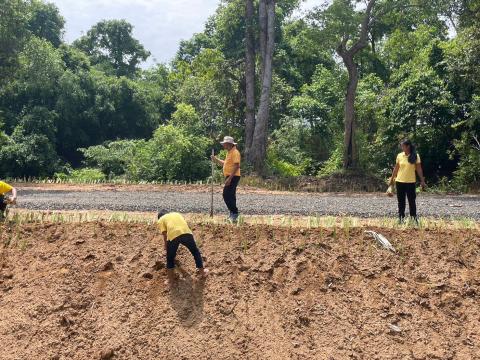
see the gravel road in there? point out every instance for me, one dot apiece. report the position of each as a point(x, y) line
point(249, 203)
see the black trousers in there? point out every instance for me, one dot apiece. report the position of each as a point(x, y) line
point(3, 205)
point(230, 195)
point(406, 190)
point(188, 241)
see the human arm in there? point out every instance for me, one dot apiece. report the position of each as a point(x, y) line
point(217, 160)
point(13, 199)
point(394, 174)
point(165, 240)
point(418, 168)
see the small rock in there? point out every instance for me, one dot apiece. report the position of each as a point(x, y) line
point(119, 259)
point(157, 265)
point(107, 354)
point(244, 267)
point(108, 266)
point(148, 276)
point(89, 257)
point(8, 275)
point(79, 242)
point(64, 321)
point(296, 291)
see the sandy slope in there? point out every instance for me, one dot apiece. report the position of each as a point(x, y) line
point(96, 291)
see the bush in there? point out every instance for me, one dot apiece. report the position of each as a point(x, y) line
point(82, 175)
point(467, 176)
point(113, 157)
point(172, 154)
point(285, 155)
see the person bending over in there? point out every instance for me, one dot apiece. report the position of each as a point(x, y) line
point(176, 232)
point(5, 200)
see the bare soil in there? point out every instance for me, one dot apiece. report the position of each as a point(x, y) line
point(96, 291)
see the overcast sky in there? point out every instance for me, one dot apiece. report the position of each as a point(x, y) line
point(158, 24)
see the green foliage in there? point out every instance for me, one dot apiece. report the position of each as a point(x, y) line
point(416, 79)
point(334, 162)
point(172, 154)
point(420, 107)
point(285, 155)
point(46, 22)
point(13, 34)
point(31, 155)
point(110, 45)
point(467, 148)
point(186, 117)
point(82, 175)
point(112, 158)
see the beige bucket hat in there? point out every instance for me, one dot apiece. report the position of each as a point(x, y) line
point(228, 140)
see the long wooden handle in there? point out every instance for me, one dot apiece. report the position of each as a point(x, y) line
point(211, 198)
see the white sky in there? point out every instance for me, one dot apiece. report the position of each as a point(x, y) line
point(158, 24)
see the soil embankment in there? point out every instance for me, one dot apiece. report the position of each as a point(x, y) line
point(96, 291)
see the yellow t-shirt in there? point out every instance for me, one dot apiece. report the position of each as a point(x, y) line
point(5, 188)
point(174, 225)
point(233, 157)
point(406, 171)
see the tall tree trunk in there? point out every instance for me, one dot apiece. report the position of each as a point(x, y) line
point(263, 28)
point(350, 155)
point(259, 145)
point(249, 77)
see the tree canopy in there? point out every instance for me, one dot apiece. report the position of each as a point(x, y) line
point(92, 103)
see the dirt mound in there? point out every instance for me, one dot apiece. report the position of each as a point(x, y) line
point(96, 291)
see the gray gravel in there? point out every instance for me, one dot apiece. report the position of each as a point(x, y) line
point(252, 203)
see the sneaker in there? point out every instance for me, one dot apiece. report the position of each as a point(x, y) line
point(233, 218)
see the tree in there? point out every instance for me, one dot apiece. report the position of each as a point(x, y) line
point(348, 53)
point(249, 76)
point(13, 34)
point(46, 22)
point(110, 45)
point(258, 151)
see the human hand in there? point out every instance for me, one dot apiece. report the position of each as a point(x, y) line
point(423, 185)
point(228, 181)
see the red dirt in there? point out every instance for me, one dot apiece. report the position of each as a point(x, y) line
point(96, 291)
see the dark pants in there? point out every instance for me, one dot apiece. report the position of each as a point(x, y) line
point(406, 190)
point(3, 206)
point(230, 195)
point(188, 241)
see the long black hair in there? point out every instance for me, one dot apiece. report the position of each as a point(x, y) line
point(412, 157)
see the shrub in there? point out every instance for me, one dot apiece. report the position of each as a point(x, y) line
point(82, 175)
point(172, 154)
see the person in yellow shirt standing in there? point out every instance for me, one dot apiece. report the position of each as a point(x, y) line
point(5, 200)
point(176, 231)
point(231, 171)
point(408, 164)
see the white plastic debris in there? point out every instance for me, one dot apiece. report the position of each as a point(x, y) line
point(395, 328)
point(382, 240)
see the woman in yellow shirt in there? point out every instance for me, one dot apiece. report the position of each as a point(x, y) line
point(404, 175)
